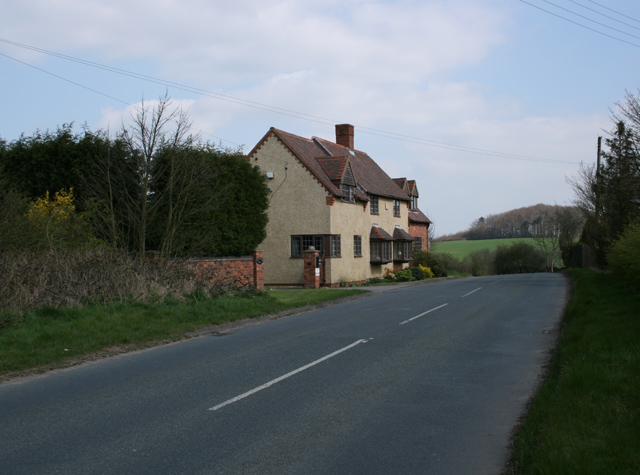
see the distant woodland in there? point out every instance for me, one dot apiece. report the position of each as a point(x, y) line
point(528, 222)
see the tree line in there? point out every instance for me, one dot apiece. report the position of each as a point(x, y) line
point(608, 195)
point(153, 185)
point(528, 222)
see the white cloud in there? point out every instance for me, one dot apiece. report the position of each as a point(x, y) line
point(399, 66)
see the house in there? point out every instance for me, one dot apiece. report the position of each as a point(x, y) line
point(336, 199)
point(418, 222)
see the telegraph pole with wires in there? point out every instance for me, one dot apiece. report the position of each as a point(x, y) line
point(598, 179)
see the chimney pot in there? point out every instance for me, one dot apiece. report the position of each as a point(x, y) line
point(344, 135)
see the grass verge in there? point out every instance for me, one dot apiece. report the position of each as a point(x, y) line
point(585, 418)
point(52, 337)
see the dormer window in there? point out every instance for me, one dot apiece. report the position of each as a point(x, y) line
point(349, 192)
point(414, 202)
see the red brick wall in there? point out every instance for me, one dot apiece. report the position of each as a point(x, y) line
point(311, 277)
point(422, 231)
point(243, 271)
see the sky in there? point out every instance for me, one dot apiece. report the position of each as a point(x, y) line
point(488, 104)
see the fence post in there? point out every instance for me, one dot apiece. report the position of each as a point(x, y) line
point(258, 270)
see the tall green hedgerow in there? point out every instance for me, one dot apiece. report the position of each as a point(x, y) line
point(518, 258)
point(624, 257)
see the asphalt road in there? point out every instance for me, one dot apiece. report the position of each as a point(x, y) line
point(426, 379)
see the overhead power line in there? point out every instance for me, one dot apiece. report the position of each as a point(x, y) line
point(100, 93)
point(257, 105)
point(581, 25)
point(606, 16)
point(614, 11)
point(589, 19)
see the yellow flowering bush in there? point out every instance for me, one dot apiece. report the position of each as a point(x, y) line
point(56, 210)
point(427, 271)
point(57, 222)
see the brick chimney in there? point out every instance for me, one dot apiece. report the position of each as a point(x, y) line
point(344, 135)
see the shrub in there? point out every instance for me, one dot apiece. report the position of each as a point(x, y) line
point(481, 262)
point(56, 222)
point(431, 260)
point(418, 273)
point(404, 275)
point(238, 225)
point(15, 229)
point(624, 257)
point(518, 258)
point(451, 262)
point(428, 272)
point(97, 276)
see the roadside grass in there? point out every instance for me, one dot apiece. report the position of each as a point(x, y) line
point(585, 418)
point(48, 337)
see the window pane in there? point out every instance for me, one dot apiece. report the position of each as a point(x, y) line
point(396, 208)
point(335, 246)
point(307, 242)
point(386, 250)
point(348, 190)
point(357, 246)
point(295, 246)
point(376, 251)
point(374, 204)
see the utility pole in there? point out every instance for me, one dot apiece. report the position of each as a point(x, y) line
point(598, 179)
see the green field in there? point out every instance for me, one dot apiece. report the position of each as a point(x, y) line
point(460, 249)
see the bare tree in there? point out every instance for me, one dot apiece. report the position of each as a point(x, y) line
point(584, 187)
point(150, 181)
point(145, 139)
point(628, 111)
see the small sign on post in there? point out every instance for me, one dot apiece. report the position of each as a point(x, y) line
point(312, 264)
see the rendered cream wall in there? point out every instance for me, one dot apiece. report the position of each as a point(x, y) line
point(297, 205)
point(349, 219)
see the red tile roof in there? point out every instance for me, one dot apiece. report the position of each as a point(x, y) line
point(408, 186)
point(377, 233)
point(416, 216)
point(327, 160)
point(334, 167)
point(400, 234)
